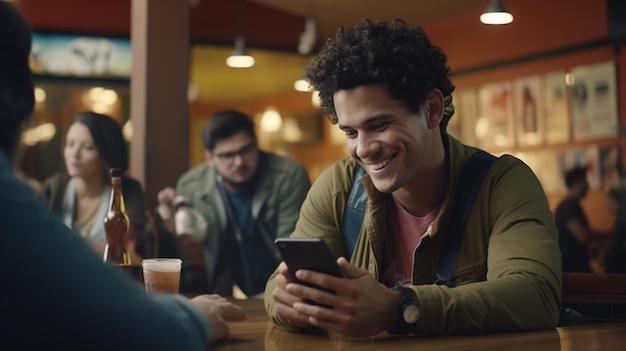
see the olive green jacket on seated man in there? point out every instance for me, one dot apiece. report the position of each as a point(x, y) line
point(508, 269)
point(282, 185)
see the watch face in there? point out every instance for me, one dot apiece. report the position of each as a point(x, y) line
point(411, 314)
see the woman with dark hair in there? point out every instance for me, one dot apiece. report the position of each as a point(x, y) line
point(80, 195)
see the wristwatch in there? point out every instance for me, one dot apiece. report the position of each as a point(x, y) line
point(409, 312)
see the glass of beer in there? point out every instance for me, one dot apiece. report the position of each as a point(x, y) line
point(161, 274)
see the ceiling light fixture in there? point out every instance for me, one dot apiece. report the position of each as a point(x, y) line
point(240, 58)
point(495, 13)
point(302, 85)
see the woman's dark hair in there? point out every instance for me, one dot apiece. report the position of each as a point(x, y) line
point(397, 56)
point(225, 124)
point(108, 137)
point(16, 83)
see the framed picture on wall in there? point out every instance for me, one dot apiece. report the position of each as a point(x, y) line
point(556, 108)
point(594, 101)
point(82, 56)
point(610, 161)
point(528, 114)
point(465, 114)
point(494, 126)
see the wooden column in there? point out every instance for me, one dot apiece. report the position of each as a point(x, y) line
point(158, 107)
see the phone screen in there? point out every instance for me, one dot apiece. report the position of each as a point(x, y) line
point(308, 253)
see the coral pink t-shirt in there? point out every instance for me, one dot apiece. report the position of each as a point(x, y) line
point(405, 234)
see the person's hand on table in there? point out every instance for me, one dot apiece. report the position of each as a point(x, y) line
point(361, 306)
point(219, 311)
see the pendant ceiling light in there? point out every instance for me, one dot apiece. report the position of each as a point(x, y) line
point(495, 13)
point(240, 58)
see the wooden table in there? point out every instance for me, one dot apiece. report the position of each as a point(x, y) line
point(258, 333)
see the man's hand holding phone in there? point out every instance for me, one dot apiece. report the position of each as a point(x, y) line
point(359, 306)
point(308, 253)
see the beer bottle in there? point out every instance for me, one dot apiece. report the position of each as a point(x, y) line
point(116, 226)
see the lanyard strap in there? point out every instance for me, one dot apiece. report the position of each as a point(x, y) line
point(229, 209)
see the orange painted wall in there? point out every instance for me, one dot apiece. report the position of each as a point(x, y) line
point(210, 21)
point(540, 26)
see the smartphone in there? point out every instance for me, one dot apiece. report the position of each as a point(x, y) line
point(308, 253)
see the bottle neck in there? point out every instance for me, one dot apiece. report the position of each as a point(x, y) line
point(116, 226)
point(117, 198)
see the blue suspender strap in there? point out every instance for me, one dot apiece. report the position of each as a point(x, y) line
point(354, 213)
point(467, 187)
point(470, 180)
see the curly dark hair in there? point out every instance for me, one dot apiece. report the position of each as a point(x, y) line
point(396, 55)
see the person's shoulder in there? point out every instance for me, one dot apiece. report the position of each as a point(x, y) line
point(340, 175)
point(194, 175)
point(277, 164)
point(567, 204)
point(58, 177)
point(279, 161)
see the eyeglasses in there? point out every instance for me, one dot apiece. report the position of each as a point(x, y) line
point(243, 152)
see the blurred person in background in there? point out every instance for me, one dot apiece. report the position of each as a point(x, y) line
point(571, 221)
point(248, 198)
point(56, 293)
point(80, 194)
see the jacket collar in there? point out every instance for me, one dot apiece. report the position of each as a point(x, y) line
point(456, 156)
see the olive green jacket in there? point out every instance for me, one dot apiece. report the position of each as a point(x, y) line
point(282, 187)
point(508, 269)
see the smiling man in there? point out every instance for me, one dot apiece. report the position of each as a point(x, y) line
point(387, 88)
point(247, 197)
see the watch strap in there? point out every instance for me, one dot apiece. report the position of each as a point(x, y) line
point(407, 297)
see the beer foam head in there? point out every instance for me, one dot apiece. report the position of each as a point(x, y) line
point(167, 265)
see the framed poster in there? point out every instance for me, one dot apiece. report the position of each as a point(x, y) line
point(69, 55)
point(610, 163)
point(465, 115)
point(556, 108)
point(528, 114)
point(494, 126)
point(594, 101)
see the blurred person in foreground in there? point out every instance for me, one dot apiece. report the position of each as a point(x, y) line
point(388, 89)
point(81, 193)
point(572, 224)
point(247, 197)
point(56, 293)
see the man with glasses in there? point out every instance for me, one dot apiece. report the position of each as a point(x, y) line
point(248, 198)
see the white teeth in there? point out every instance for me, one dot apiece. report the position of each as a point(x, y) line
point(380, 165)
